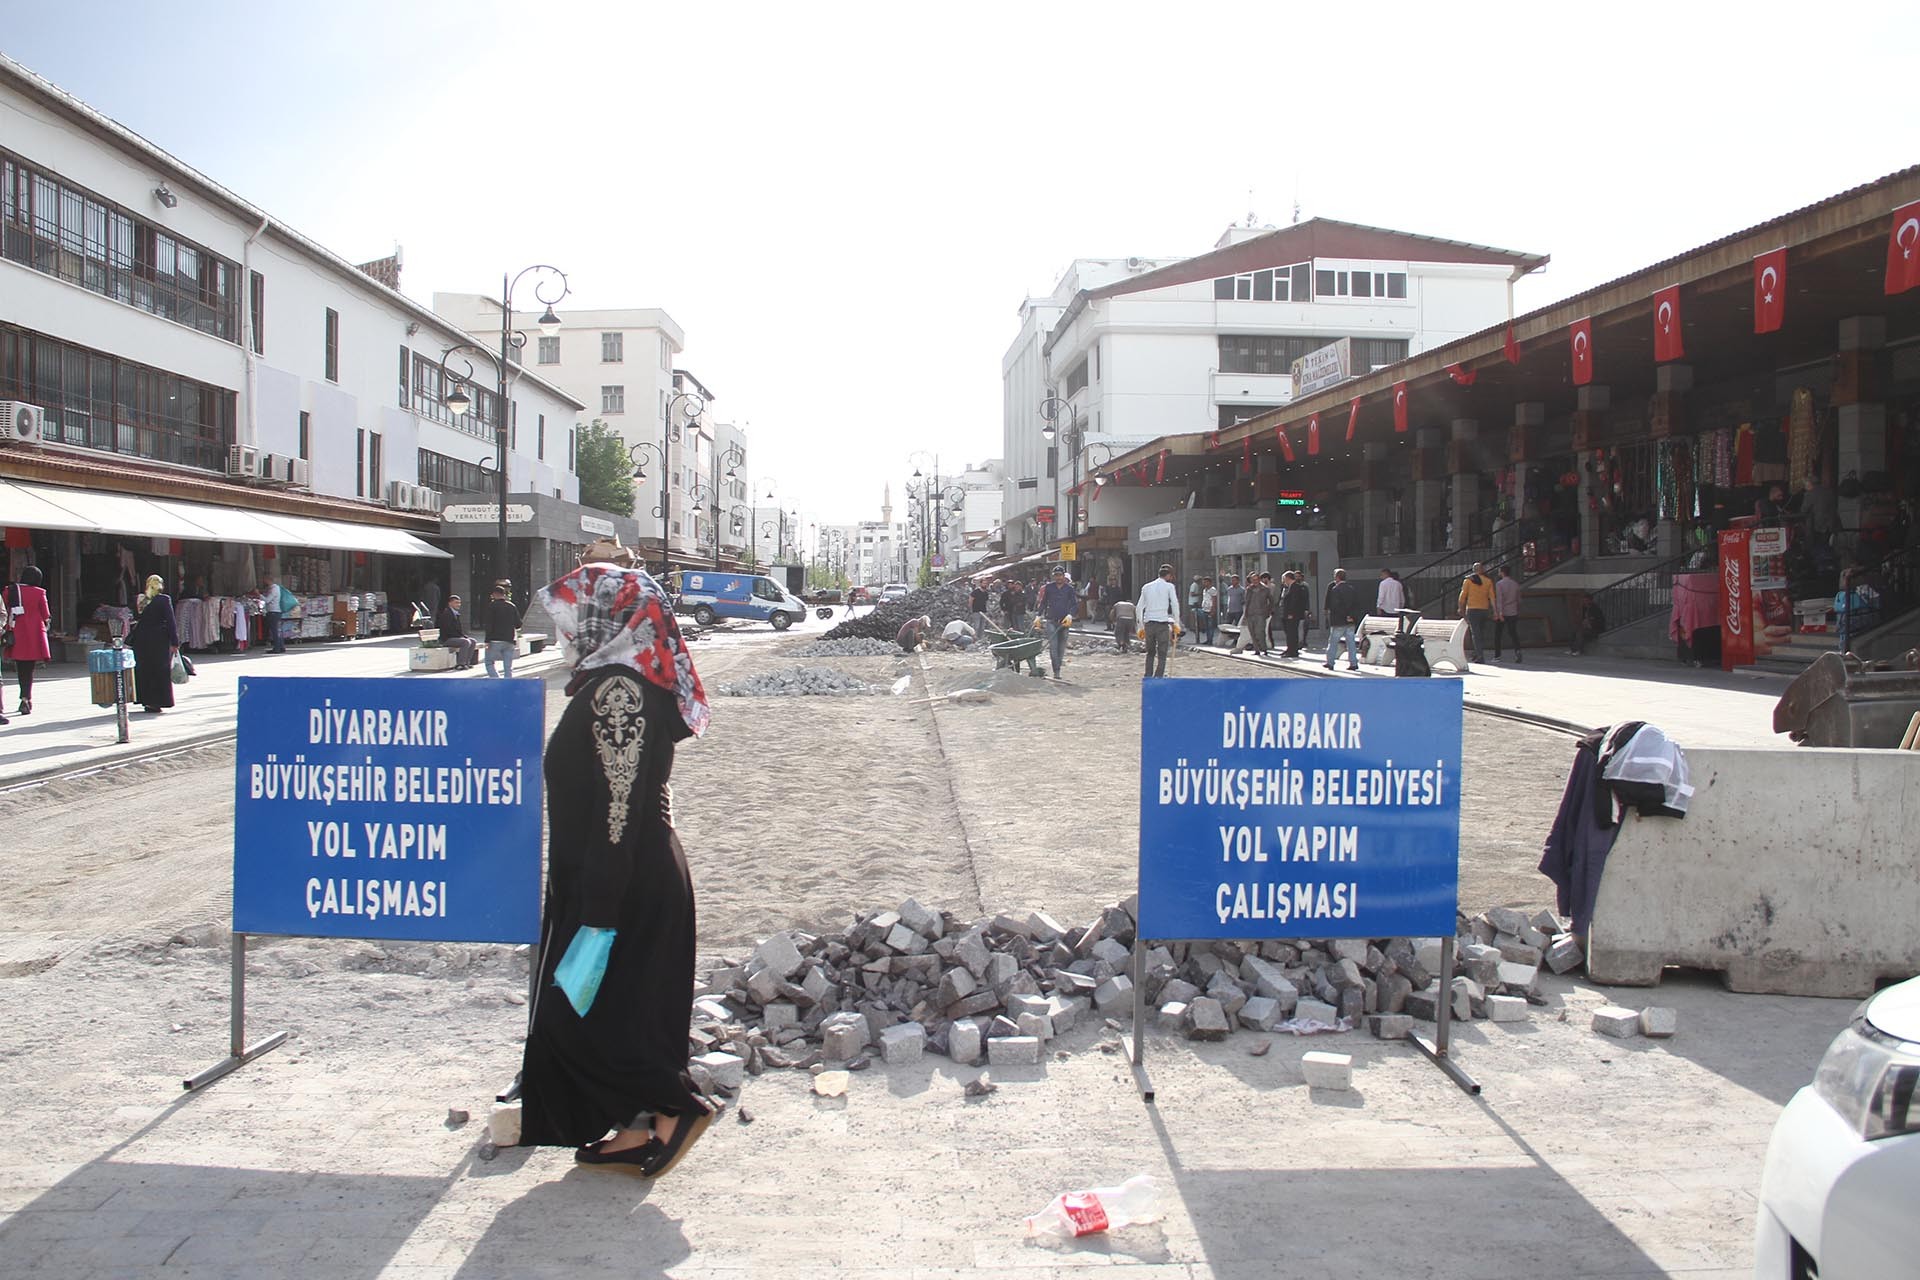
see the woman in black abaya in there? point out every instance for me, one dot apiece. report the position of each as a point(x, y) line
point(155, 638)
point(605, 1069)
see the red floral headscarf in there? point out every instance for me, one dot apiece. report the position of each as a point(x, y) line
point(613, 616)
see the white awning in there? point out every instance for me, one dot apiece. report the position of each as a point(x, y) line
point(39, 506)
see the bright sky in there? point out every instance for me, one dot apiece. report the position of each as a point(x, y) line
point(843, 205)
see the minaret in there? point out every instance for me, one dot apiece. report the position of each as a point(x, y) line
point(886, 503)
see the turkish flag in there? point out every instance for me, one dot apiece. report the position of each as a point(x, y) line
point(1770, 291)
point(1399, 406)
point(1462, 375)
point(1903, 249)
point(1353, 417)
point(1667, 344)
point(1213, 440)
point(1286, 445)
point(1246, 454)
point(1580, 339)
point(1510, 348)
point(1160, 472)
point(1313, 434)
point(1094, 496)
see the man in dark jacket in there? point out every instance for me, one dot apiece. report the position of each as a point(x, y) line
point(503, 630)
point(453, 633)
point(1259, 610)
point(1345, 608)
point(1057, 605)
point(1296, 604)
point(1013, 606)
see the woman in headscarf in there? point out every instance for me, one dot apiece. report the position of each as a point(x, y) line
point(154, 640)
point(26, 626)
point(605, 1069)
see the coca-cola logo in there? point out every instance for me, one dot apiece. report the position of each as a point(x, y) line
point(1736, 603)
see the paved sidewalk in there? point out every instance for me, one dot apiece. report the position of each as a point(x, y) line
point(66, 732)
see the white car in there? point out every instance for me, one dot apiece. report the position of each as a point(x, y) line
point(1842, 1181)
point(894, 591)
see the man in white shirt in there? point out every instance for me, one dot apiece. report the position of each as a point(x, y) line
point(1391, 596)
point(1160, 616)
point(957, 633)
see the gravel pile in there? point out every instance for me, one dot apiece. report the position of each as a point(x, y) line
point(799, 682)
point(912, 980)
point(855, 647)
point(883, 622)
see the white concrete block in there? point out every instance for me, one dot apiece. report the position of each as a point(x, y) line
point(1506, 1009)
point(903, 1043)
point(1328, 1070)
point(727, 1071)
point(1659, 1023)
point(1612, 1020)
point(1019, 1051)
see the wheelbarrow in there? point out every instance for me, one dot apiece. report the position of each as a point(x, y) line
point(1012, 652)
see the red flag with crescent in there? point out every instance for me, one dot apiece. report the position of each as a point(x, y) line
point(1903, 249)
point(1095, 495)
point(1461, 374)
point(1286, 445)
point(1510, 348)
point(1399, 406)
point(1353, 417)
point(1313, 434)
point(1160, 472)
point(1580, 341)
point(1141, 472)
point(1770, 291)
point(1213, 440)
point(1246, 454)
point(1667, 344)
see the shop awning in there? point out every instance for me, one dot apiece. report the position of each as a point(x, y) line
point(37, 506)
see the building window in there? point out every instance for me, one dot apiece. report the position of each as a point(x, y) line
point(65, 231)
point(573, 448)
point(306, 435)
point(257, 300)
point(613, 399)
point(1359, 284)
point(374, 468)
point(406, 363)
point(1281, 284)
point(333, 345)
point(429, 399)
point(360, 463)
point(1077, 378)
point(666, 355)
point(98, 401)
point(540, 439)
point(613, 348)
point(452, 475)
point(550, 350)
point(1096, 362)
point(1372, 353)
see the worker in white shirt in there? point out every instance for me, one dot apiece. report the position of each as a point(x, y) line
point(1160, 619)
point(1391, 595)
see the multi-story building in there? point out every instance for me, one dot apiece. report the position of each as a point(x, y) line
point(1137, 349)
point(980, 509)
point(208, 394)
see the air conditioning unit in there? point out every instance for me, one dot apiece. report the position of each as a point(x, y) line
point(302, 474)
point(277, 467)
point(425, 499)
point(243, 460)
point(20, 422)
point(400, 495)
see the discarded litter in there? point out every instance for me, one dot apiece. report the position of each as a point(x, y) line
point(831, 1084)
point(1082, 1213)
point(901, 685)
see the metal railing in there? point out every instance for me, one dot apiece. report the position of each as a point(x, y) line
point(1434, 587)
point(1641, 595)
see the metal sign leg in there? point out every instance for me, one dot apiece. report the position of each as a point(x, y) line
point(1443, 1026)
point(238, 1052)
point(1141, 1079)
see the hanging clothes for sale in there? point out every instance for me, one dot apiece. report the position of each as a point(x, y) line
point(1743, 454)
point(1802, 441)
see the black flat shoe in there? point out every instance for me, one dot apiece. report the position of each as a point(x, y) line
point(685, 1134)
point(628, 1159)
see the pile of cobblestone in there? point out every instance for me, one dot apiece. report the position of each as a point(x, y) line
point(883, 622)
point(799, 682)
point(852, 647)
point(913, 980)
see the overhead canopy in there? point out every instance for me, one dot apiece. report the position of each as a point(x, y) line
point(26, 505)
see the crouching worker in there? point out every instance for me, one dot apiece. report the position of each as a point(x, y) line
point(957, 634)
point(913, 636)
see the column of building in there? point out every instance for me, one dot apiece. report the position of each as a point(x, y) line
point(1429, 488)
point(1590, 405)
point(1463, 466)
point(1861, 415)
point(1667, 418)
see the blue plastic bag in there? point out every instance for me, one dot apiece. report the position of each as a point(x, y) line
point(579, 972)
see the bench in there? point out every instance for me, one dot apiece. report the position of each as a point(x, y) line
point(1446, 640)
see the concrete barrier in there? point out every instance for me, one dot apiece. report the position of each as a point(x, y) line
point(1796, 872)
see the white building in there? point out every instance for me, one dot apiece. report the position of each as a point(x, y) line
point(188, 349)
point(1139, 349)
point(980, 511)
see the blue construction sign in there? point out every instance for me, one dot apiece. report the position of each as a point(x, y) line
point(1299, 808)
point(388, 808)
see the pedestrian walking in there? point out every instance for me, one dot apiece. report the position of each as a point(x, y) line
point(1344, 611)
point(1233, 601)
point(1057, 603)
point(1259, 611)
point(1160, 619)
point(1208, 619)
point(1476, 606)
point(1391, 595)
point(1120, 620)
point(1296, 607)
point(278, 604)
point(453, 634)
point(1193, 608)
point(25, 623)
point(1506, 613)
point(605, 1065)
point(503, 631)
point(155, 640)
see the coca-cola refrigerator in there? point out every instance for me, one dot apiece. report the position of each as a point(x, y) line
point(1756, 614)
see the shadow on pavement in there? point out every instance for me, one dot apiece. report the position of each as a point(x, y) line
point(588, 1222)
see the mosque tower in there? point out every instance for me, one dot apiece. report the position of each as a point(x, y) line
point(886, 503)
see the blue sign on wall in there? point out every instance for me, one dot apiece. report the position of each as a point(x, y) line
point(388, 808)
point(1299, 808)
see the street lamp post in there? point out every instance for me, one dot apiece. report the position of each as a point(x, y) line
point(735, 459)
point(1051, 410)
point(686, 407)
point(511, 340)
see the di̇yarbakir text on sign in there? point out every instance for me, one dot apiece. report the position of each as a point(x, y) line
point(388, 808)
point(1299, 808)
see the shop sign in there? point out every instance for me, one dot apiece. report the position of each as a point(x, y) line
point(1291, 498)
point(1069, 551)
point(1044, 515)
point(1736, 607)
point(1154, 532)
point(1299, 809)
point(486, 513)
point(1329, 366)
point(594, 524)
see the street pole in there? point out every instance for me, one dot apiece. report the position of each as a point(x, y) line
point(504, 408)
point(666, 494)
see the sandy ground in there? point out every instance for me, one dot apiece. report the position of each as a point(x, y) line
point(333, 1157)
